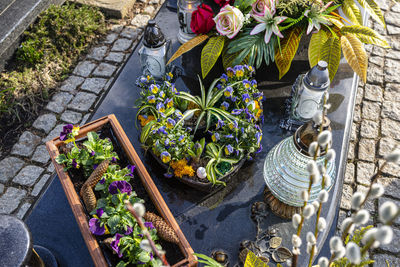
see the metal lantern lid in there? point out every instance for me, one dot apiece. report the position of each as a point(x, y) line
point(318, 77)
point(308, 133)
point(153, 36)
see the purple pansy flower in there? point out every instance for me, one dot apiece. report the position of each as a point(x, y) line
point(149, 225)
point(151, 255)
point(92, 153)
point(162, 130)
point(219, 86)
point(129, 230)
point(67, 129)
point(245, 98)
point(95, 228)
point(114, 244)
point(95, 166)
point(224, 78)
point(131, 168)
point(228, 136)
point(74, 163)
point(228, 91)
point(113, 159)
point(122, 186)
point(102, 181)
point(224, 105)
point(99, 212)
point(220, 124)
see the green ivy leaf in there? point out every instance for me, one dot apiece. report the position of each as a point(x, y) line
point(60, 159)
point(210, 53)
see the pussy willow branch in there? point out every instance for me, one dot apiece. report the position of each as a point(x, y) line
point(373, 179)
point(300, 226)
point(130, 208)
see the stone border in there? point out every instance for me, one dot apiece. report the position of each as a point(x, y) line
point(25, 172)
point(376, 131)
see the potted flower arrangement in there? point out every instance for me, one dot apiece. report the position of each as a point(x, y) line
point(98, 162)
point(256, 31)
point(231, 113)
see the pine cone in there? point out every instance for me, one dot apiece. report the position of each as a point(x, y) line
point(163, 229)
point(88, 197)
point(96, 175)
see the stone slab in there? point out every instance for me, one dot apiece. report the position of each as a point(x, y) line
point(26, 144)
point(41, 155)
point(45, 122)
point(10, 200)
point(112, 8)
point(28, 175)
point(9, 168)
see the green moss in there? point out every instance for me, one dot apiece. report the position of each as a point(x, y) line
point(49, 48)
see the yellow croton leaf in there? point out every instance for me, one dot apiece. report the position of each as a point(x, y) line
point(373, 9)
point(351, 10)
point(287, 51)
point(366, 35)
point(210, 53)
point(315, 46)
point(189, 45)
point(253, 261)
point(355, 54)
point(330, 52)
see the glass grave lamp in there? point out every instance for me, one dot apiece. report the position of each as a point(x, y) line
point(285, 167)
point(185, 10)
point(155, 51)
point(307, 96)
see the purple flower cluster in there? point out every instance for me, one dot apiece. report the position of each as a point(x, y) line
point(121, 186)
point(67, 129)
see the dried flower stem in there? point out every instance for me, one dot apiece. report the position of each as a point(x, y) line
point(139, 220)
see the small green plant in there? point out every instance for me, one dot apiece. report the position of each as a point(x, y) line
point(205, 104)
point(207, 261)
point(94, 151)
point(216, 158)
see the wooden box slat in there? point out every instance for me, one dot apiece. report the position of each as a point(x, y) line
point(76, 205)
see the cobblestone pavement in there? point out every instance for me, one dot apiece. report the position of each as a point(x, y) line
point(26, 171)
point(376, 130)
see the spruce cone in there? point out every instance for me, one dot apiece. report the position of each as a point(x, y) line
point(163, 229)
point(88, 197)
point(96, 175)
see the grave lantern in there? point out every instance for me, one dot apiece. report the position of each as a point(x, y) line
point(155, 51)
point(285, 169)
point(310, 91)
point(185, 10)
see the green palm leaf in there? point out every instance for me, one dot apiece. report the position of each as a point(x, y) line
point(331, 51)
point(315, 46)
point(351, 10)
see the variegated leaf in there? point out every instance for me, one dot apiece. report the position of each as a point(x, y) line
point(289, 45)
point(210, 53)
point(366, 35)
point(189, 45)
point(355, 54)
point(253, 261)
point(373, 9)
point(315, 46)
point(330, 53)
point(351, 10)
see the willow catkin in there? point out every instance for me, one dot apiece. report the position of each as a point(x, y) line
point(88, 197)
point(163, 229)
point(96, 175)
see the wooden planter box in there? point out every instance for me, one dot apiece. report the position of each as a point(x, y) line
point(155, 196)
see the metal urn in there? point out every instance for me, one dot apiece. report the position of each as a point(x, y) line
point(185, 10)
point(285, 167)
point(155, 51)
point(309, 92)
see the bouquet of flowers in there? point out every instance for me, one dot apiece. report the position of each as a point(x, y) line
point(252, 31)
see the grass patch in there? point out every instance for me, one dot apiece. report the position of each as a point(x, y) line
point(49, 49)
